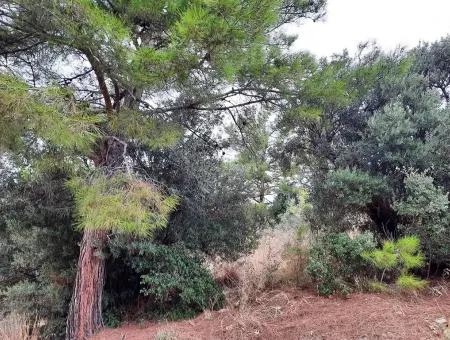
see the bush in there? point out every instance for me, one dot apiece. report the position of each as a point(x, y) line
point(410, 282)
point(378, 287)
point(38, 250)
point(424, 211)
point(173, 279)
point(335, 261)
point(399, 257)
point(44, 300)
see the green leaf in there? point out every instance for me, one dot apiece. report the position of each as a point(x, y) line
point(121, 203)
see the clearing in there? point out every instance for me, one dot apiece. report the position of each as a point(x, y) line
point(298, 314)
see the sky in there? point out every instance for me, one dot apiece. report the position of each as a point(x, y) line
point(391, 23)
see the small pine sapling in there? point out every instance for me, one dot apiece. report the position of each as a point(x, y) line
point(402, 256)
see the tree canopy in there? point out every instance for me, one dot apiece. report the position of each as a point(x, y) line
point(138, 136)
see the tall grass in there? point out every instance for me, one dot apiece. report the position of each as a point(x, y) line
point(279, 260)
point(18, 327)
point(273, 263)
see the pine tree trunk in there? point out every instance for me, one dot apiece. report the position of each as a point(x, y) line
point(85, 311)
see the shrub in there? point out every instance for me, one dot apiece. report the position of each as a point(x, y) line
point(378, 287)
point(424, 211)
point(410, 282)
point(38, 250)
point(45, 299)
point(112, 318)
point(175, 279)
point(335, 260)
point(399, 257)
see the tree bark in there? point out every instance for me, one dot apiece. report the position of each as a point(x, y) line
point(85, 311)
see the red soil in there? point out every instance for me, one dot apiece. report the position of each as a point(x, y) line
point(296, 314)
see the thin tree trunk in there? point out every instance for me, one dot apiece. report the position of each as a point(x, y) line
point(85, 311)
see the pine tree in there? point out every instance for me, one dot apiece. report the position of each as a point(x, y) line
point(402, 255)
point(100, 78)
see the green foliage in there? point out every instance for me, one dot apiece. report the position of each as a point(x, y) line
point(38, 249)
point(423, 198)
point(402, 256)
point(340, 199)
point(121, 203)
point(111, 318)
point(151, 132)
point(424, 212)
point(249, 134)
point(215, 214)
point(153, 67)
point(329, 86)
point(228, 29)
point(135, 72)
point(385, 258)
point(410, 282)
point(353, 187)
point(48, 113)
point(378, 287)
point(378, 152)
point(288, 195)
point(409, 252)
point(431, 60)
point(175, 279)
point(335, 261)
point(399, 136)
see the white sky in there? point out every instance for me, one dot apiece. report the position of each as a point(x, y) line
point(390, 22)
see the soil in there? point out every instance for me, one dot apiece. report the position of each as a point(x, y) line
point(297, 314)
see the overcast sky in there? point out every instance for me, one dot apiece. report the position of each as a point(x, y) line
point(390, 22)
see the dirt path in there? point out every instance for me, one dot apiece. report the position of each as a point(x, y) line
point(295, 314)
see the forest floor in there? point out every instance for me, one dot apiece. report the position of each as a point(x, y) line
point(298, 314)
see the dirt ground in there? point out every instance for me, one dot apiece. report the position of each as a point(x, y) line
point(296, 314)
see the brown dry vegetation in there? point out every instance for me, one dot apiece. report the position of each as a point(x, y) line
point(18, 327)
point(272, 264)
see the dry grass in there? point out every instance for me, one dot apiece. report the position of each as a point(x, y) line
point(251, 322)
point(277, 261)
point(439, 288)
point(165, 335)
point(18, 327)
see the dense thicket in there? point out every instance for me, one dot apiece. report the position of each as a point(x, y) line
point(91, 86)
point(38, 248)
point(377, 147)
point(140, 136)
point(215, 214)
point(39, 243)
